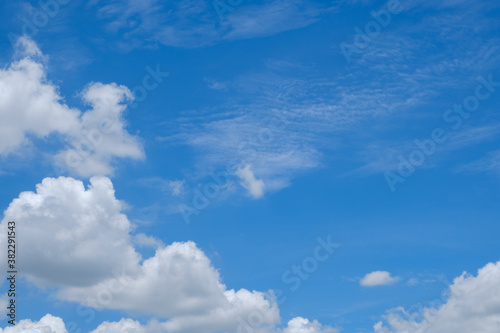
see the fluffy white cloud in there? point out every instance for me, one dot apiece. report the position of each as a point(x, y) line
point(71, 235)
point(48, 324)
point(31, 106)
point(81, 244)
point(254, 186)
point(179, 283)
point(122, 326)
point(51, 324)
point(377, 278)
point(303, 325)
point(102, 135)
point(295, 325)
point(179, 279)
point(473, 306)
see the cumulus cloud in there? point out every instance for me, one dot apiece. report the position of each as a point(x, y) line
point(80, 243)
point(473, 305)
point(102, 135)
point(124, 325)
point(303, 325)
point(53, 324)
point(295, 325)
point(179, 273)
point(377, 278)
point(31, 106)
point(71, 235)
point(179, 283)
point(48, 324)
point(254, 186)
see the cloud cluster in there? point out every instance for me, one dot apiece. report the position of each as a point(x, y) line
point(29, 104)
point(53, 324)
point(31, 107)
point(69, 227)
point(48, 323)
point(81, 245)
point(473, 305)
point(303, 325)
point(101, 136)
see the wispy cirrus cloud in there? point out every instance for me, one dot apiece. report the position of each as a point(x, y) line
point(195, 23)
point(386, 155)
point(398, 79)
point(489, 163)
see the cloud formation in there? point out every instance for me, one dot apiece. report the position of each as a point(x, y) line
point(197, 23)
point(48, 323)
point(253, 185)
point(303, 325)
point(472, 306)
point(70, 227)
point(377, 278)
point(31, 107)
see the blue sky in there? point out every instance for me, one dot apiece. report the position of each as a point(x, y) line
point(201, 154)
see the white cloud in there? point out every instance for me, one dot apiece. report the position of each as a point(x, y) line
point(473, 305)
point(75, 235)
point(26, 47)
point(303, 325)
point(295, 325)
point(377, 278)
point(179, 283)
point(102, 135)
point(261, 136)
point(179, 273)
point(48, 324)
point(241, 307)
point(80, 244)
point(31, 106)
point(51, 324)
point(122, 326)
point(254, 186)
